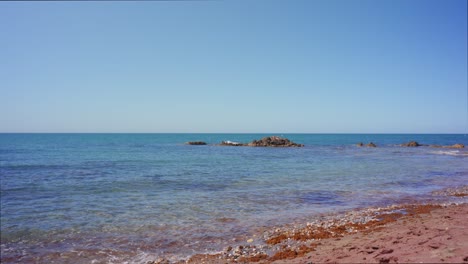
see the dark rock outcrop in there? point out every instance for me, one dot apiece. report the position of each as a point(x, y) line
point(273, 141)
point(371, 145)
point(196, 143)
point(411, 144)
point(360, 144)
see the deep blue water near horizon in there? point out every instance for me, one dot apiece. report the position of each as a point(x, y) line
point(133, 197)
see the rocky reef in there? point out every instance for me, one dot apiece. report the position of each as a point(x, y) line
point(276, 141)
point(411, 144)
point(369, 145)
point(272, 141)
point(454, 146)
point(416, 144)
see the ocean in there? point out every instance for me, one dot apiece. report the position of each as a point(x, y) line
point(116, 198)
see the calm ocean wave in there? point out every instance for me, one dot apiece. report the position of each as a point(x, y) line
point(132, 197)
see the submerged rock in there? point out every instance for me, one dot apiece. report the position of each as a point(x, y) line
point(457, 146)
point(196, 143)
point(371, 145)
point(411, 144)
point(273, 141)
point(231, 143)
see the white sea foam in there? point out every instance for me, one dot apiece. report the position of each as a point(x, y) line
point(450, 152)
point(140, 258)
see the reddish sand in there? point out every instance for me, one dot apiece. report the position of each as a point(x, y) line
point(437, 236)
point(403, 234)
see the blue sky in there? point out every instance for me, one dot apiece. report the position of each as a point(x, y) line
point(346, 66)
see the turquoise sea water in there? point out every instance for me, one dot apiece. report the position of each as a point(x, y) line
point(133, 197)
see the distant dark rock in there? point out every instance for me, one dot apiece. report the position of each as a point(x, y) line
point(196, 143)
point(411, 144)
point(371, 145)
point(360, 144)
point(274, 141)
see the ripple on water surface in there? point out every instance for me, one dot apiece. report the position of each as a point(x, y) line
point(129, 197)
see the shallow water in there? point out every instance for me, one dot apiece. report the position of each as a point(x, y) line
point(133, 197)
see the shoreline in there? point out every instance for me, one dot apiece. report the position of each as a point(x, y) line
point(408, 232)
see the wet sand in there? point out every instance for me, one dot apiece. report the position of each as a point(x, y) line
point(410, 233)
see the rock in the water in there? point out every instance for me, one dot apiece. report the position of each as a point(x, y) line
point(411, 144)
point(196, 143)
point(371, 145)
point(360, 144)
point(274, 141)
point(457, 146)
point(231, 143)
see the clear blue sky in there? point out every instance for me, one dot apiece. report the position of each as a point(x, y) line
point(347, 66)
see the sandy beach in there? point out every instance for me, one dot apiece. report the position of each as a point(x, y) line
point(409, 233)
point(438, 235)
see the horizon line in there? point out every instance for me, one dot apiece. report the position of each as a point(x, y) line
point(304, 133)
